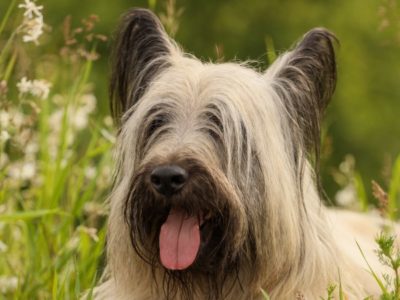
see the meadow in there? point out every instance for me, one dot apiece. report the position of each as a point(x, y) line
point(55, 161)
point(56, 165)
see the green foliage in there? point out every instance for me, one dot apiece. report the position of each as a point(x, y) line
point(361, 191)
point(389, 255)
point(265, 295)
point(330, 290)
point(54, 165)
point(394, 191)
point(270, 50)
point(373, 273)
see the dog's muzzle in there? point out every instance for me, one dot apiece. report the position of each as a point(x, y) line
point(179, 239)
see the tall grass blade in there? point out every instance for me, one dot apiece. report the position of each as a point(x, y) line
point(394, 190)
point(377, 279)
point(29, 215)
point(7, 16)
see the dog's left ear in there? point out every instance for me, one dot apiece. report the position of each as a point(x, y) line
point(142, 50)
point(305, 78)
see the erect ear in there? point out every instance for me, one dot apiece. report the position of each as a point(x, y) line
point(142, 50)
point(305, 79)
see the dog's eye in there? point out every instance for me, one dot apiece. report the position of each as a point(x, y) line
point(214, 126)
point(216, 122)
point(158, 122)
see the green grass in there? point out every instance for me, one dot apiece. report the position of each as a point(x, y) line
point(55, 170)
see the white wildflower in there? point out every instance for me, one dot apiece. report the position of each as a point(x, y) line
point(90, 231)
point(32, 25)
point(55, 120)
point(4, 119)
point(89, 102)
point(17, 118)
point(41, 88)
point(37, 88)
point(108, 121)
point(8, 284)
point(347, 165)
point(108, 135)
point(94, 209)
point(346, 196)
point(24, 171)
point(3, 247)
point(23, 137)
point(24, 86)
point(90, 172)
point(4, 136)
point(80, 119)
point(32, 148)
point(31, 9)
point(28, 170)
point(33, 29)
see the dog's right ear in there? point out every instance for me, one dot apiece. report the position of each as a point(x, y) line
point(142, 50)
point(305, 80)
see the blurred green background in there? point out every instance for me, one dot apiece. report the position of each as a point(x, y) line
point(363, 118)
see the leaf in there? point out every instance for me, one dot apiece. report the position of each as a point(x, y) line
point(341, 294)
point(394, 187)
point(361, 194)
point(265, 295)
point(152, 4)
point(271, 53)
point(29, 215)
point(380, 283)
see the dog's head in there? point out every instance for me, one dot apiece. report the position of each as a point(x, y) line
point(212, 157)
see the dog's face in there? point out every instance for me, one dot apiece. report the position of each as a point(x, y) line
point(212, 155)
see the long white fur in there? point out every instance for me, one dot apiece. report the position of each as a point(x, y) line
point(308, 246)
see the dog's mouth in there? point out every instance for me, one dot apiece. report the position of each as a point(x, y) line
point(180, 238)
point(192, 232)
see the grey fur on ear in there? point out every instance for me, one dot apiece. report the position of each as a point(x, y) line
point(305, 79)
point(141, 51)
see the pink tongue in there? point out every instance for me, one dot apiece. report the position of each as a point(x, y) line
point(179, 240)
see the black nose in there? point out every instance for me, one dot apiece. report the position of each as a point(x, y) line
point(168, 179)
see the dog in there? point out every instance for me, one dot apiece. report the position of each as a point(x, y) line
point(216, 192)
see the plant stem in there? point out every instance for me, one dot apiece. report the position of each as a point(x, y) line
point(397, 282)
point(7, 15)
point(6, 46)
point(10, 66)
